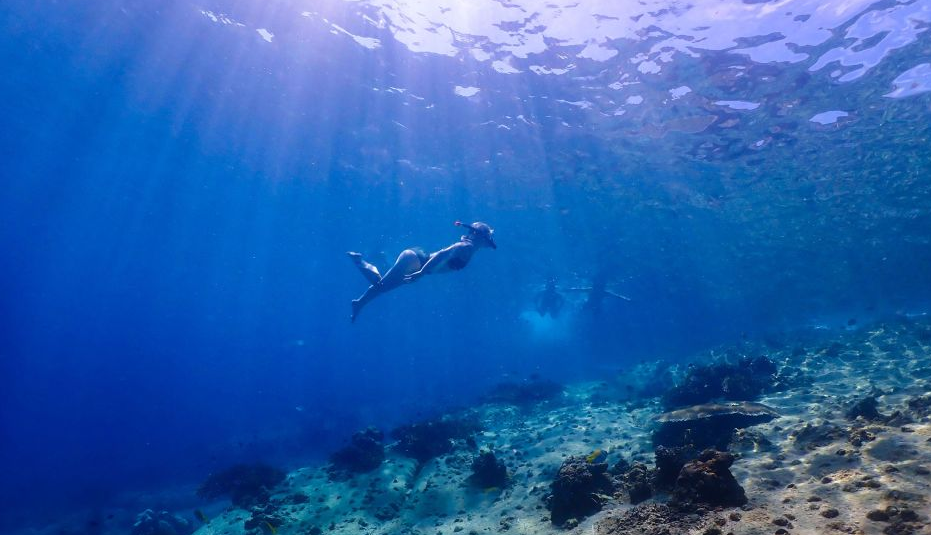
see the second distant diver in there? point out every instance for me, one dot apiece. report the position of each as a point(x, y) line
point(549, 301)
point(596, 294)
point(414, 263)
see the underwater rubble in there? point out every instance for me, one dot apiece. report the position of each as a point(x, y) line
point(523, 393)
point(581, 488)
point(832, 435)
point(744, 380)
point(429, 439)
point(488, 471)
point(244, 484)
point(149, 522)
point(364, 453)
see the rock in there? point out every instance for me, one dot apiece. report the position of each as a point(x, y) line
point(523, 393)
point(650, 519)
point(149, 522)
point(580, 489)
point(830, 513)
point(815, 436)
point(708, 480)
point(246, 484)
point(645, 380)
point(744, 380)
point(364, 453)
point(488, 471)
point(902, 528)
point(425, 440)
point(745, 440)
point(261, 518)
point(878, 515)
point(920, 405)
point(857, 437)
point(710, 425)
point(387, 512)
point(637, 482)
point(620, 467)
point(866, 408)
point(899, 418)
point(669, 462)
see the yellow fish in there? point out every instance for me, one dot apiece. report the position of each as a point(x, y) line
point(271, 528)
point(201, 516)
point(489, 490)
point(596, 456)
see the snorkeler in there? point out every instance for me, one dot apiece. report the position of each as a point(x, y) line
point(550, 301)
point(596, 294)
point(415, 263)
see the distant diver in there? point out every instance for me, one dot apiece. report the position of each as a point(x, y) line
point(414, 263)
point(596, 294)
point(549, 301)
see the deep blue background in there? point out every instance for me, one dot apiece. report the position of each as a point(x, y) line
point(176, 204)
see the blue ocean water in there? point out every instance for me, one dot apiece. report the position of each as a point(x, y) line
point(182, 180)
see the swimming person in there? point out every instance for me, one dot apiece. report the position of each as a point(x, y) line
point(596, 294)
point(414, 263)
point(549, 301)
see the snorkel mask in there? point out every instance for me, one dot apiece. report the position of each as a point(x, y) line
point(480, 230)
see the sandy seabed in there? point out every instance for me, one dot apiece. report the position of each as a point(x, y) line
point(813, 469)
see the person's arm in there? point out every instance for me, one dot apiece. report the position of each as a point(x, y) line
point(619, 296)
point(436, 259)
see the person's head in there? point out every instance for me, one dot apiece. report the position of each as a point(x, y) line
point(479, 233)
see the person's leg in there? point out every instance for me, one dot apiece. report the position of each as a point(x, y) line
point(372, 292)
point(407, 262)
point(369, 271)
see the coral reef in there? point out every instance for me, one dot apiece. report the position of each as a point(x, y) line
point(425, 440)
point(644, 381)
point(523, 393)
point(742, 381)
point(669, 462)
point(650, 519)
point(866, 408)
point(818, 457)
point(364, 453)
point(245, 484)
point(149, 522)
point(580, 489)
point(710, 425)
point(708, 480)
point(488, 471)
point(638, 482)
point(263, 518)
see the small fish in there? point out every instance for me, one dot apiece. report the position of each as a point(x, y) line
point(272, 529)
point(489, 490)
point(597, 456)
point(201, 516)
